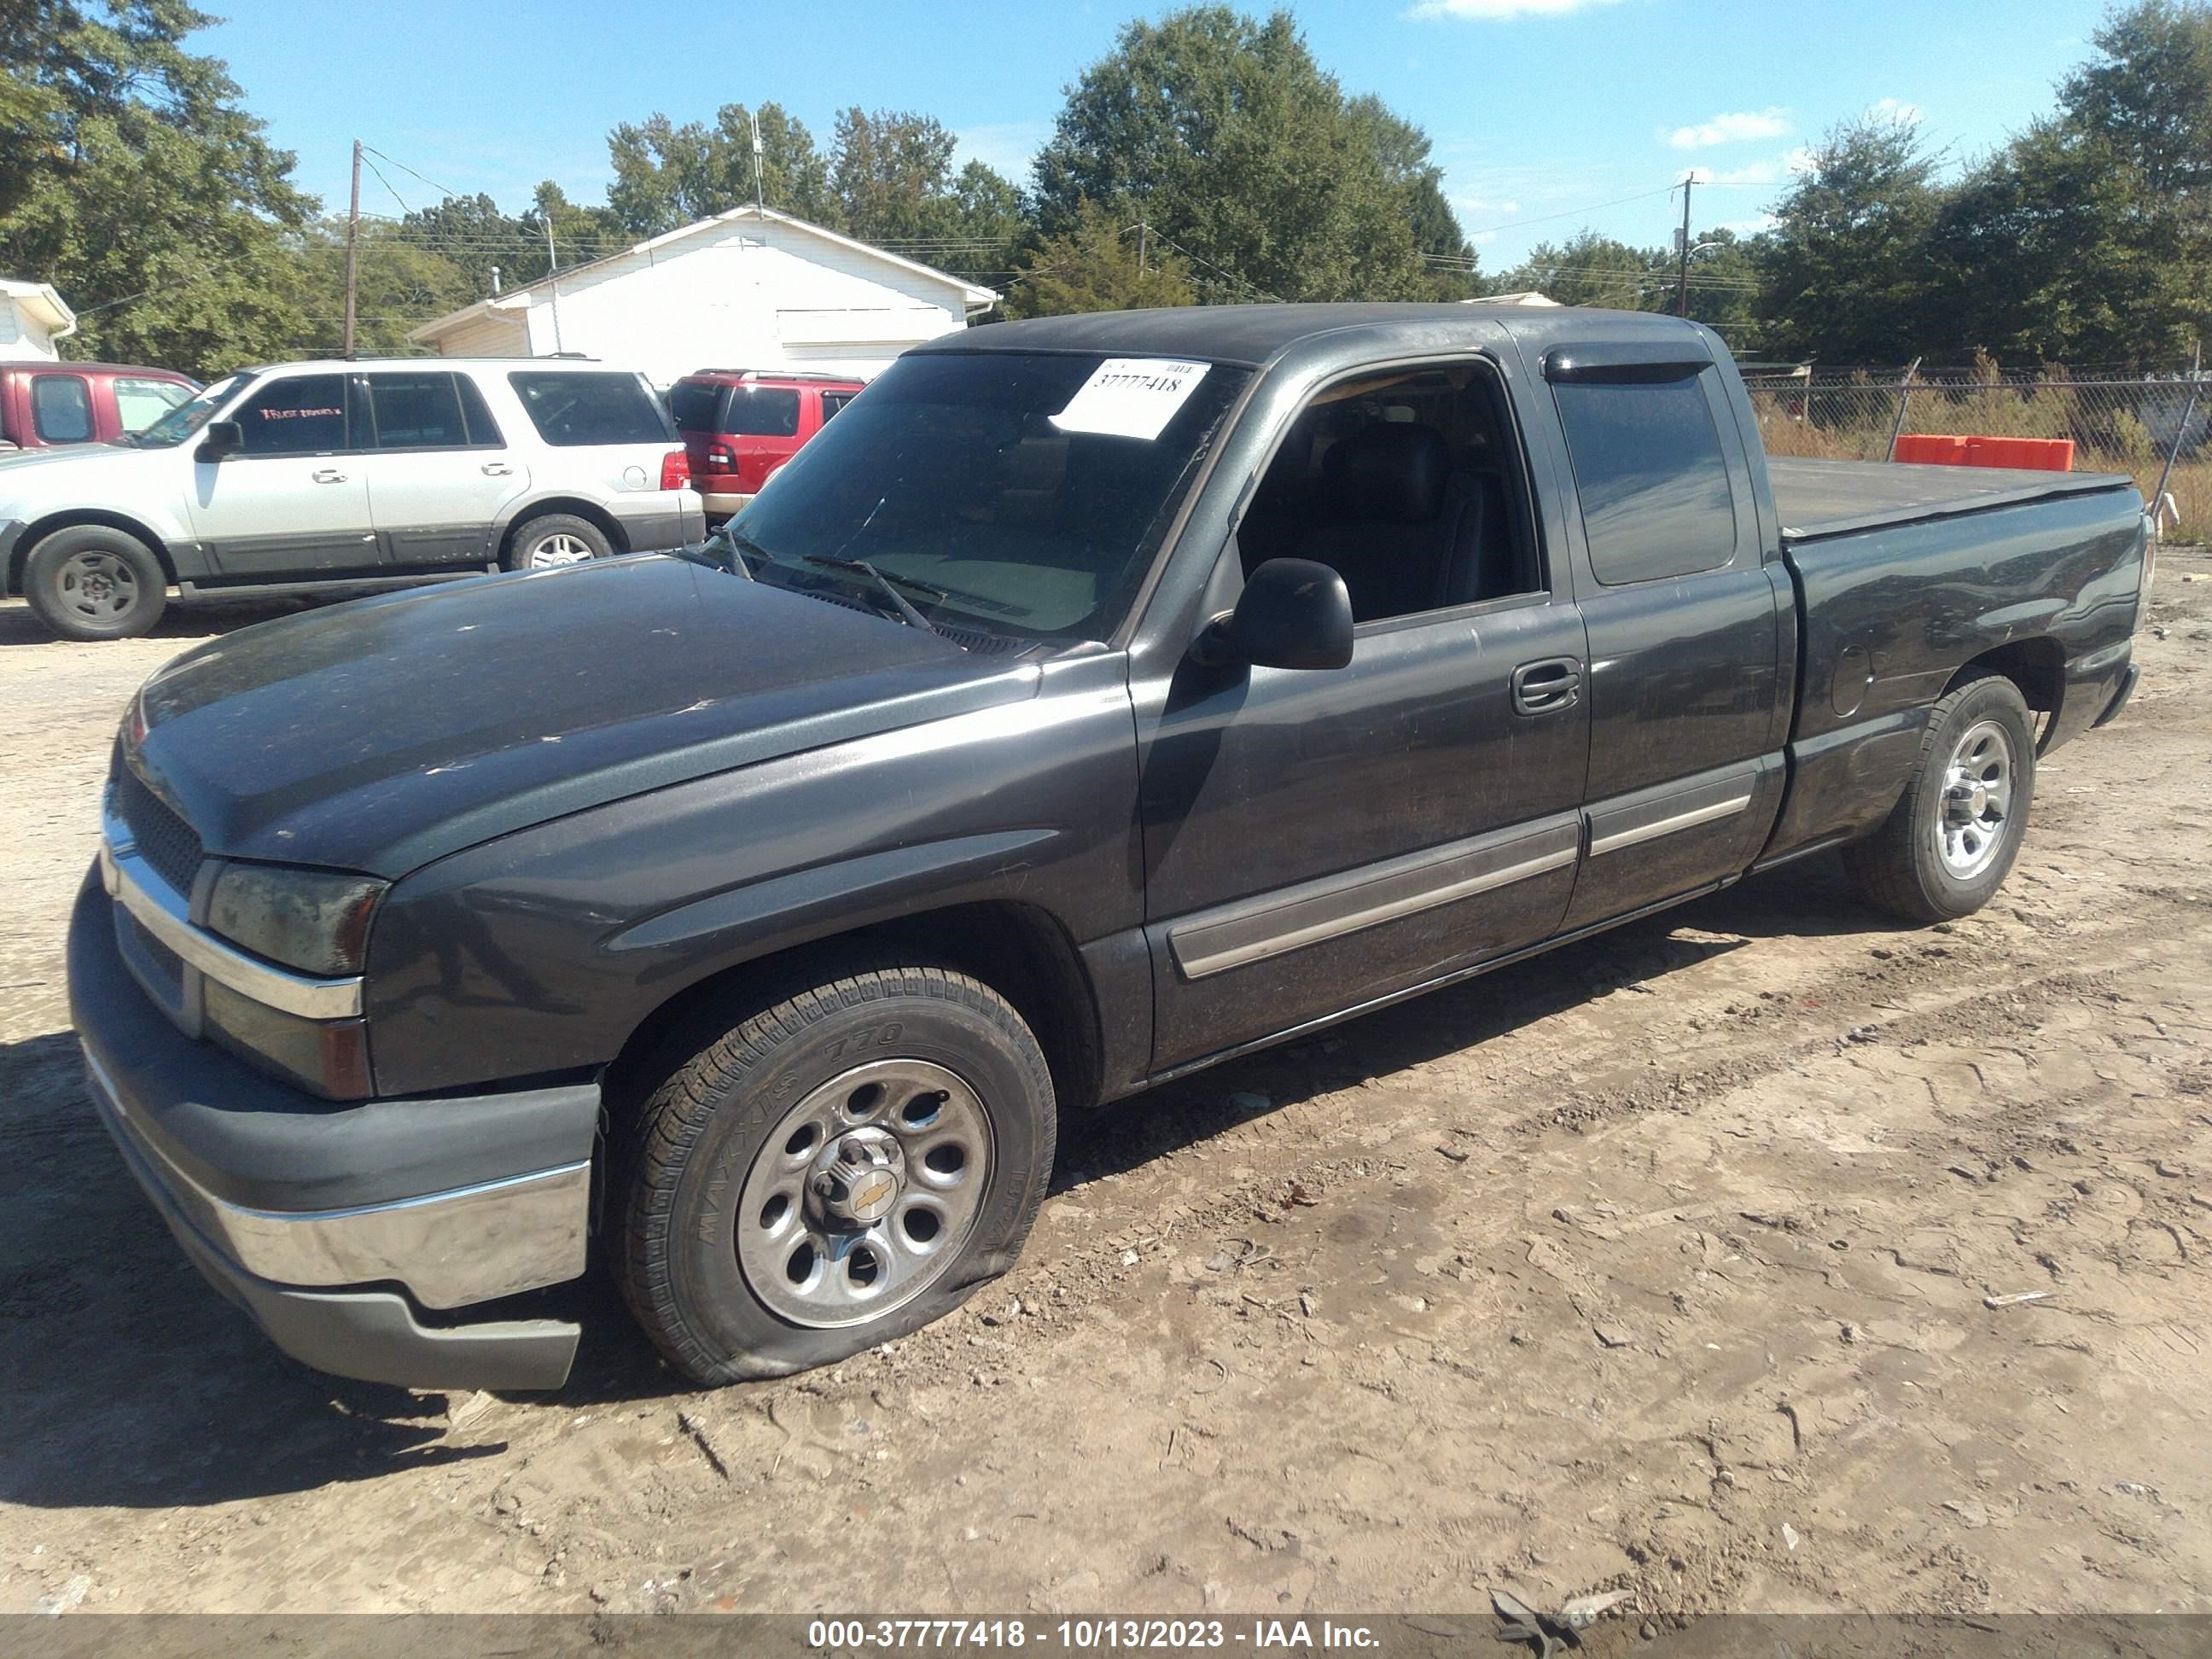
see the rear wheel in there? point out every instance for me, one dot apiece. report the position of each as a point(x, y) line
point(553, 540)
point(93, 582)
point(1947, 848)
point(843, 1166)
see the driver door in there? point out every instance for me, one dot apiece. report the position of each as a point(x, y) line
point(1317, 839)
point(293, 500)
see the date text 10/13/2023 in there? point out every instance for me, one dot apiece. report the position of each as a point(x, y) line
point(1089, 1635)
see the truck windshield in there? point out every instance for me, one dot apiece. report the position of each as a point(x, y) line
point(1015, 493)
point(181, 422)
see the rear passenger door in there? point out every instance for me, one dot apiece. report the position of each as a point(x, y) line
point(1687, 707)
point(439, 473)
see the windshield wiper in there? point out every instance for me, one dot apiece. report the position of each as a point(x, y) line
point(889, 586)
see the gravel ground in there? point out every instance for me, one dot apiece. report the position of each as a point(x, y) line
point(1661, 1263)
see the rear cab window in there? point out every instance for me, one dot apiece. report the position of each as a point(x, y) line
point(61, 409)
point(583, 408)
point(1653, 477)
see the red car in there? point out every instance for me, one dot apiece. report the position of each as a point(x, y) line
point(46, 403)
point(739, 425)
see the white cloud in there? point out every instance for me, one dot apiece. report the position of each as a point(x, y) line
point(1896, 109)
point(1481, 205)
point(1499, 11)
point(1734, 128)
point(1010, 146)
point(1775, 171)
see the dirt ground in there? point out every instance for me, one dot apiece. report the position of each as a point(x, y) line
point(1663, 1262)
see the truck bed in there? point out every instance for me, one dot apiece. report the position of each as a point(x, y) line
point(1818, 498)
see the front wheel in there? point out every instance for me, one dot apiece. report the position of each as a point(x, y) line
point(92, 582)
point(841, 1167)
point(1947, 848)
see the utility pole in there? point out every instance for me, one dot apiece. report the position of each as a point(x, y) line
point(1682, 283)
point(760, 204)
point(552, 263)
point(1143, 229)
point(353, 246)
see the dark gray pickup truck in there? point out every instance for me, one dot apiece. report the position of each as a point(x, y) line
point(1099, 697)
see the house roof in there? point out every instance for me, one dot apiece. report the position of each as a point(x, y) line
point(517, 298)
point(44, 306)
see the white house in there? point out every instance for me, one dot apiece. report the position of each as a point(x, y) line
point(750, 288)
point(31, 318)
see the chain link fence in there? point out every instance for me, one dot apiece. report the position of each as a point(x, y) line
point(2126, 424)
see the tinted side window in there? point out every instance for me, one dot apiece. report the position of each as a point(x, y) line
point(302, 417)
point(576, 407)
point(484, 431)
point(1652, 476)
point(833, 401)
point(695, 405)
point(61, 409)
point(416, 411)
point(139, 403)
point(763, 412)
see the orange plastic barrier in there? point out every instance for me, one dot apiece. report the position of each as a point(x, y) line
point(1931, 449)
point(2029, 454)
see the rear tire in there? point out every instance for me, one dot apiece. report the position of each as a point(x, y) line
point(92, 582)
point(838, 1168)
point(554, 539)
point(1947, 848)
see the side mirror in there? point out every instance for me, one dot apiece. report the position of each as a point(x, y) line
point(221, 438)
point(1293, 613)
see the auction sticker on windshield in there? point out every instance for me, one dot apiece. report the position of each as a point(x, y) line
point(1130, 397)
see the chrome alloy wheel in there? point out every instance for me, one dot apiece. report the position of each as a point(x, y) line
point(97, 585)
point(1972, 813)
point(550, 552)
point(864, 1194)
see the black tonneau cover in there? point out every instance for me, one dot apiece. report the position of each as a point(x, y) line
point(1835, 498)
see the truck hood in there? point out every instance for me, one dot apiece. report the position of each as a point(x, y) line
point(381, 734)
point(82, 473)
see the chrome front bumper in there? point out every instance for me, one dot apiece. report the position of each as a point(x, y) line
point(447, 1249)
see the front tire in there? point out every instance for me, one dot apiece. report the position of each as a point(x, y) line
point(841, 1167)
point(92, 582)
point(554, 539)
point(1947, 848)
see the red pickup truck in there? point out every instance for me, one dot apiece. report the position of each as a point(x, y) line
point(46, 403)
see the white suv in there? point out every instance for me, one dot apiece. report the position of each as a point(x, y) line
point(355, 475)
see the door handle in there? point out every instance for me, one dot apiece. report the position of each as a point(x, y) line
point(497, 470)
point(1540, 687)
point(329, 475)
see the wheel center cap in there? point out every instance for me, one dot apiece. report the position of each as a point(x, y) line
point(859, 1178)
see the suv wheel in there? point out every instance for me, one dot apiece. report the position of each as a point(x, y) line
point(92, 582)
point(553, 540)
point(840, 1168)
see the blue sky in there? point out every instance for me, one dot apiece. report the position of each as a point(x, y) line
point(1548, 115)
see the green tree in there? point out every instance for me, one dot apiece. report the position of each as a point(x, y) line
point(667, 176)
point(1453, 270)
point(1591, 269)
point(2147, 94)
point(400, 284)
point(136, 184)
point(1101, 263)
point(1848, 272)
point(1244, 155)
point(473, 236)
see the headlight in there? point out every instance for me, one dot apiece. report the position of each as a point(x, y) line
point(314, 921)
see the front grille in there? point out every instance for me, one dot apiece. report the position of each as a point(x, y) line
point(165, 840)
